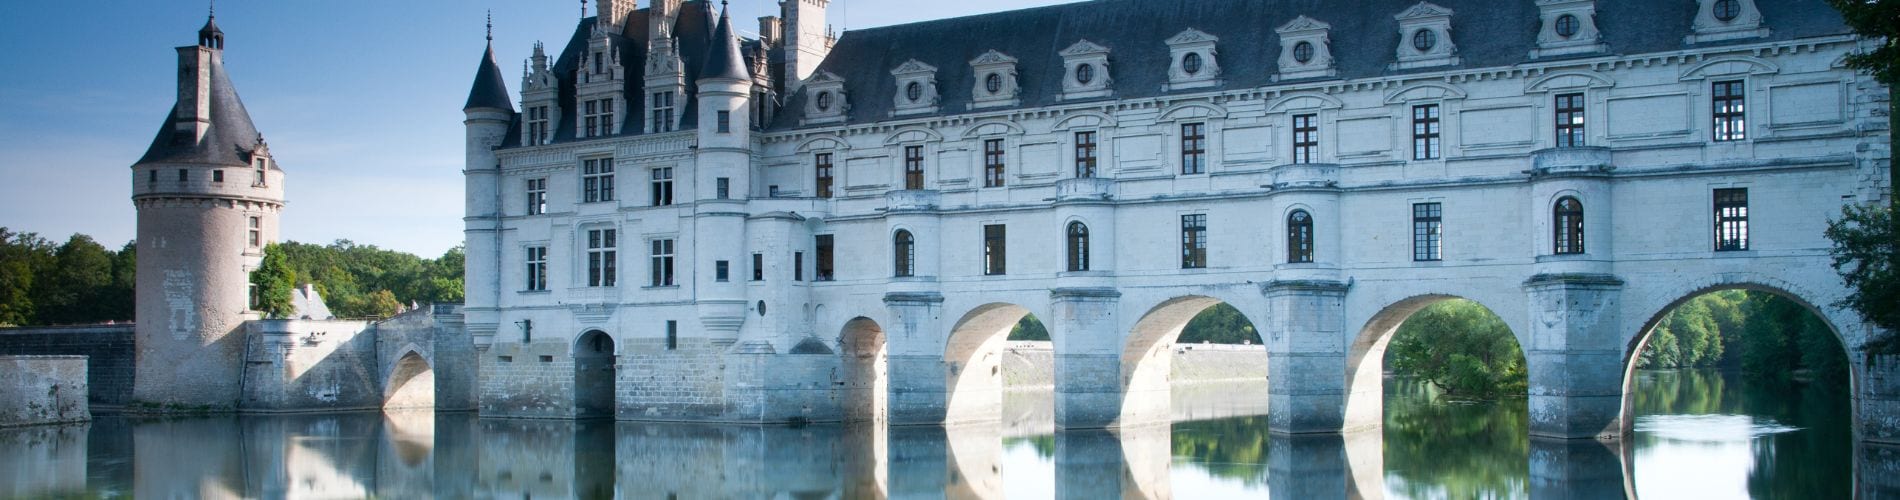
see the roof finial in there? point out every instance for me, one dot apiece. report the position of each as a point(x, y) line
point(491, 25)
point(583, 9)
point(214, 9)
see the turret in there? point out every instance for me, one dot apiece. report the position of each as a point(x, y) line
point(722, 177)
point(488, 114)
point(208, 196)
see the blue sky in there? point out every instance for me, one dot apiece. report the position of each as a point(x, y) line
point(360, 100)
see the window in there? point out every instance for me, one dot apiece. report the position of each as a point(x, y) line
point(824, 101)
point(798, 266)
point(151, 175)
point(1566, 219)
point(1191, 63)
point(1569, 120)
point(662, 186)
point(217, 175)
point(722, 271)
point(1078, 246)
point(1194, 241)
point(1193, 148)
point(597, 180)
point(672, 335)
point(1305, 138)
point(758, 267)
point(257, 232)
point(1299, 237)
point(1426, 231)
point(1084, 154)
point(1303, 52)
point(822, 171)
point(822, 245)
point(1731, 219)
point(1424, 40)
point(1727, 10)
point(257, 171)
point(722, 188)
point(993, 250)
point(725, 122)
point(598, 118)
point(904, 250)
point(1425, 131)
point(598, 68)
point(913, 167)
point(914, 91)
point(661, 112)
point(537, 196)
point(537, 272)
point(1567, 25)
point(1731, 121)
point(537, 125)
point(1084, 73)
point(184, 175)
point(602, 259)
point(993, 83)
point(993, 163)
point(661, 261)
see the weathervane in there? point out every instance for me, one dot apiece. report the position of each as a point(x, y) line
point(491, 25)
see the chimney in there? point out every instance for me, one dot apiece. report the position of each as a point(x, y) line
point(193, 117)
point(613, 14)
point(770, 31)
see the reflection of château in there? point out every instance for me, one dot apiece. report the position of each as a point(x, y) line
point(678, 224)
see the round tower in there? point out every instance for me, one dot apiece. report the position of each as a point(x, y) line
point(208, 195)
point(722, 182)
point(488, 113)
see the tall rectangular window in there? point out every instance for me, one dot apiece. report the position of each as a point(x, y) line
point(1569, 120)
point(798, 266)
point(725, 122)
point(217, 175)
point(672, 335)
point(821, 170)
point(597, 180)
point(661, 112)
point(602, 257)
point(590, 118)
point(662, 186)
point(661, 262)
point(993, 163)
point(537, 196)
point(537, 125)
point(1305, 138)
point(537, 272)
point(184, 175)
point(994, 250)
point(1731, 120)
point(1426, 231)
point(1194, 241)
point(1085, 154)
point(722, 188)
point(758, 267)
point(722, 271)
point(1425, 132)
point(598, 118)
point(257, 171)
point(913, 167)
point(1731, 219)
point(822, 244)
point(257, 232)
point(1193, 148)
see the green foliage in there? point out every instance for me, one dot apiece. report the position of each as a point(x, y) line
point(363, 281)
point(1443, 450)
point(1697, 334)
point(1220, 324)
point(77, 282)
point(1878, 20)
point(1460, 347)
point(275, 282)
point(1782, 339)
point(1028, 328)
point(1867, 255)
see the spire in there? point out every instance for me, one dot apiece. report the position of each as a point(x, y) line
point(489, 90)
point(491, 27)
point(723, 60)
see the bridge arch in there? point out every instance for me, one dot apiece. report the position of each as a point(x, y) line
point(594, 355)
point(1365, 356)
point(411, 382)
point(1147, 357)
point(973, 362)
point(865, 366)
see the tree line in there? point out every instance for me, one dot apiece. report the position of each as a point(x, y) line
point(356, 281)
point(76, 282)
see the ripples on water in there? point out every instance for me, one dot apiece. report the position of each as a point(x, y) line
point(1700, 435)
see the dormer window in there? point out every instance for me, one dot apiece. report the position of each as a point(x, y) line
point(914, 91)
point(993, 83)
point(827, 101)
point(1084, 74)
point(1087, 65)
point(662, 111)
point(919, 82)
point(1424, 40)
point(1567, 25)
point(1303, 52)
point(257, 171)
point(1721, 20)
point(1428, 27)
point(1191, 63)
point(1727, 10)
point(824, 101)
point(1196, 64)
point(997, 86)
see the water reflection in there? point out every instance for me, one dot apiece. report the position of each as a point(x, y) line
point(1700, 435)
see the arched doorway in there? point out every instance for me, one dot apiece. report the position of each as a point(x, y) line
point(973, 363)
point(866, 386)
point(411, 384)
point(594, 375)
point(1752, 383)
point(1148, 356)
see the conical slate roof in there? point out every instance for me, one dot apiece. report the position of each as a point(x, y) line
point(229, 140)
point(722, 58)
point(490, 91)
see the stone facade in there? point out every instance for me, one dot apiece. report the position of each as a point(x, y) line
point(1326, 190)
point(109, 351)
point(37, 390)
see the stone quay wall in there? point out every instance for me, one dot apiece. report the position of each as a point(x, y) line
point(110, 350)
point(38, 390)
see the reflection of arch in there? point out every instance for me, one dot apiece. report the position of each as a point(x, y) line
point(594, 374)
point(1147, 357)
point(972, 359)
point(865, 381)
point(1641, 341)
point(1365, 359)
point(411, 383)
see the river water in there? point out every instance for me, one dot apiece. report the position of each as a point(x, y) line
point(1698, 434)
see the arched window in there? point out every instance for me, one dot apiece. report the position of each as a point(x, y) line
point(1566, 218)
point(1299, 237)
point(904, 248)
point(1078, 246)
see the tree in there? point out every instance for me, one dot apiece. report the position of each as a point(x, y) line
point(1462, 348)
point(71, 288)
point(275, 281)
point(1878, 20)
point(22, 255)
point(1028, 328)
point(1867, 259)
point(1219, 324)
point(382, 304)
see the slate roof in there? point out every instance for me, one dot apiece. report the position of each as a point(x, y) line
point(723, 59)
point(490, 90)
point(1364, 36)
point(228, 141)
